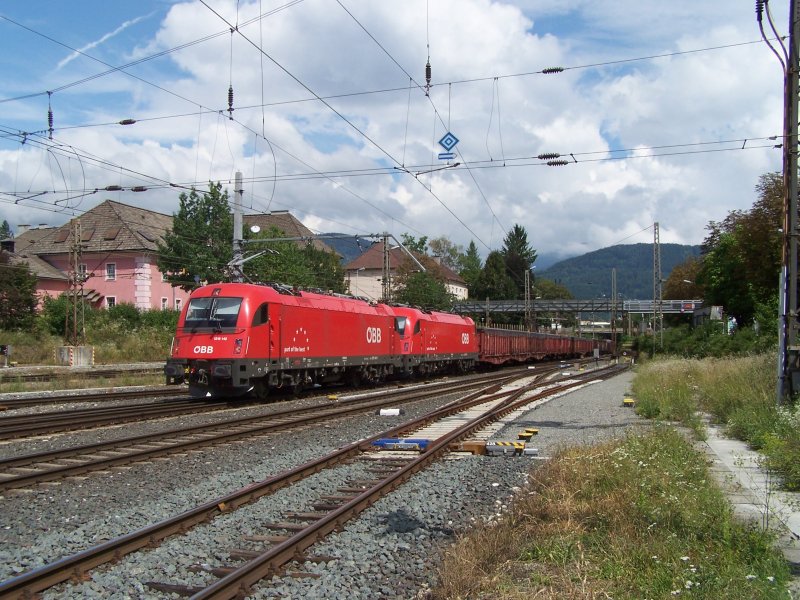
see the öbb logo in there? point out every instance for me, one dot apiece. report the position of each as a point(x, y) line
point(465, 338)
point(203, 349)
point(373, 335)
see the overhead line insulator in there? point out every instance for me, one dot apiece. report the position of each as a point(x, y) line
point(557, 163)
point(548, 155)
point(428, 77)
point(551, 70)
point(127, 121)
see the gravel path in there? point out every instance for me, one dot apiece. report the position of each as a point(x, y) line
point(391, 551)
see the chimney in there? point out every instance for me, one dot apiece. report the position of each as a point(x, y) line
point(42, 225)
point(22, 229)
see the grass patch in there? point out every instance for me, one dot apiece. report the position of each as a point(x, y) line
point(738, 392)
point(636, 518)
point(112, 344)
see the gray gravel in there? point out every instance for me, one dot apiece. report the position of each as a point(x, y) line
point(390, 551)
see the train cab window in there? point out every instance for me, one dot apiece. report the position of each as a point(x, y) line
point(261, 316)
point(400, 325)
point(417, 327)
point(213, 313)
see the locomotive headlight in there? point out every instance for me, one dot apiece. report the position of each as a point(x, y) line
point(237, 346)
point(175, 344)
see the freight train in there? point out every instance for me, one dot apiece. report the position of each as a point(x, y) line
point(237, 338)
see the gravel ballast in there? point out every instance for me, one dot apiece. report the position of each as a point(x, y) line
point(390, 551)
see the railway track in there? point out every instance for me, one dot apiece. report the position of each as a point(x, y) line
point(45, 374)
point(289, 540)
point(10, 402)
point(16, 426)
point(23, 471)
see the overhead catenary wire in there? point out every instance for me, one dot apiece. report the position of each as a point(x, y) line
point(448, 84)
point(510, 162)
point(436, 114)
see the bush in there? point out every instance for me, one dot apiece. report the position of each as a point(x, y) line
point(707, 340)
point(53, 314)
point(126, 314)
point(163, 319)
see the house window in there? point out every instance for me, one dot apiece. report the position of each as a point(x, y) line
point(111, 301)
point(82, 271)
point(111, 271)
point(164, 303)
point(177, 303)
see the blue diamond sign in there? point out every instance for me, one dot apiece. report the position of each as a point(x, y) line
point(448, 142)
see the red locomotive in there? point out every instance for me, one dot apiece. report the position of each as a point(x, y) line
point(233, 338)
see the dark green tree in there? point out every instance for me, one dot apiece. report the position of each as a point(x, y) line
point(741, 255)
point(420, 246)
point(494, 282)
point(5, 231)
point(471, 267)
point(723, 281)
point(518, 256)
point(200, 244)
point(326, 269)
point(17, 295)
point(682, 281)
point(550, 290)
point(450, 254)
point(423, 288)
point(288, 263)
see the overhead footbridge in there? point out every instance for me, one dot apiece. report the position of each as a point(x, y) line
point(596, 305)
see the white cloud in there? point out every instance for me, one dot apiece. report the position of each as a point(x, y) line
point(684, 99)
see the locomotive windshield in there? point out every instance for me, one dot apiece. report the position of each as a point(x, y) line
point(212, 313)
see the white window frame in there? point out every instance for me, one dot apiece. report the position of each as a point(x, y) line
point(111, 271)
point(178, 302)
point(111, 301)
point(164, 303)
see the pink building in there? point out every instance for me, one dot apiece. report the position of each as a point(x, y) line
point(117, 258)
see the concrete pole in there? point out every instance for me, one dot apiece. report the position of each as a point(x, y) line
point(237, 276)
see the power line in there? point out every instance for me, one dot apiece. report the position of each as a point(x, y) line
point(510, 162)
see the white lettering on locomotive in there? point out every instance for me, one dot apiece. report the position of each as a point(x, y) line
point(204, 349)
point(373, 335)
point(465, 338)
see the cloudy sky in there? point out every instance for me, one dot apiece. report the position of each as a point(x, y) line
point(663, 113)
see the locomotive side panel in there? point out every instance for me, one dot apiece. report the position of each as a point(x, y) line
point(314, 335)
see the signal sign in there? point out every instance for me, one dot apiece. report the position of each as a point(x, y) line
point(448, 141)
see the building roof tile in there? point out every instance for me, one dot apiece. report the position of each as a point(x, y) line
point(108, 227)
